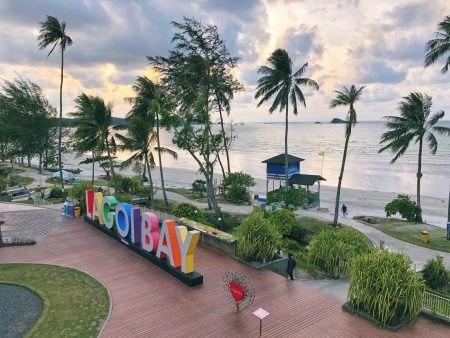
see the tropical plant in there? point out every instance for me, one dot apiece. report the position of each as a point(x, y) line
point(439, 46)
point(189, 211)
point(78, 193)
point(386, 286)
point(284, 220)
point(347, 97)
point(239, 178)
point(56, 192)
point(435, 274)
point(279, 80)
point(404, 206)
point(237, 194)
point(334, 249)
point(291, 198)
point(415, 123)
point(53, 32)
point(258, 239)
point(94, 130)
point(199, 188)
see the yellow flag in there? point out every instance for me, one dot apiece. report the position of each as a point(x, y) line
point(321, 153)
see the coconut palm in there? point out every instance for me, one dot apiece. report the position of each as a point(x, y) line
point(278, 80)
point(94, 130)
point(439, 46)
point(162, 107)
point(347, 97)
point(52, 32)
point(140, 139)
point(415, 123)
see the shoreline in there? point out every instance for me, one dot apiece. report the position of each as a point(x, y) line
point(358, 201)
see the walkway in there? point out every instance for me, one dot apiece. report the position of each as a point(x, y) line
point(147, 302)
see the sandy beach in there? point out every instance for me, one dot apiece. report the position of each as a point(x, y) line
point(358, 201)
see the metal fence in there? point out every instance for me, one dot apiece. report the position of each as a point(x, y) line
point(437, 304)
point(160, 214)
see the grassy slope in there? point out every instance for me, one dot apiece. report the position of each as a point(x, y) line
point(188, 194)
point(75, 304)
point(410, 232)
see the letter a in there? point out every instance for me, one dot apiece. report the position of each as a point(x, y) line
point(168, 244)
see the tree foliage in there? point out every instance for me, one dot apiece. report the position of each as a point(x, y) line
point(403, 205)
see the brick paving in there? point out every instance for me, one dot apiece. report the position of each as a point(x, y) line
point(147, 302)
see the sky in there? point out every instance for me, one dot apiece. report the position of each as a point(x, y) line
point(379, 44)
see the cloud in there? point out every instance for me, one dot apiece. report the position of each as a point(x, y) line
point(379, 71)
point(302, 43)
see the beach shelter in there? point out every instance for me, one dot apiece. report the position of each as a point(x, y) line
point(275, 169)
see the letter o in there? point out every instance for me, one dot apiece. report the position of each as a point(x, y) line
point(123, 219)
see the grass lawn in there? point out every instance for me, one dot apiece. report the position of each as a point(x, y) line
point(313, 225)
point(410, 232)
point(57, 181)
point(74, 304)
point(25, 202)
point(22, 180)
point(188, 194)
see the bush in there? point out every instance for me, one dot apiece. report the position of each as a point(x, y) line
point(199, 188)
point(435, 275)
point(333, 250)
point(239, 178)
point(3, 183)
point(258, 238)
point(127, 185)
point(56, 192)
point(189, 211)
point(408, 209)
point(292, 245)
point(123, 198)
point(237, 193)
point(291, 198)
point(13, 180)
point(78, 193)
point(298, 233)
point(384, 285)
point(284, 220)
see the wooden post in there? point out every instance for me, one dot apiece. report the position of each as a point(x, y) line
point(267, 188)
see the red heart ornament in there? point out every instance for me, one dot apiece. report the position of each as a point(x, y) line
point(237, 291)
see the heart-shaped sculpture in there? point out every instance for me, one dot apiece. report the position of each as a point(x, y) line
point(239, 289)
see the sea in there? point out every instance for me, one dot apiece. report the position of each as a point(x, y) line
point(365, 168)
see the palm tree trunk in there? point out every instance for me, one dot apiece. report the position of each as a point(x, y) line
point(60, 127)
point(286, 162)
point(224, 140)
point(93, 167)
point(40, 163)
point(111, 165)
point(160, 160)
point(419, 176)
point(150, 180)
point(341, 175)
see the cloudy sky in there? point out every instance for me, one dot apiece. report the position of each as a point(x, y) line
point(376, 43)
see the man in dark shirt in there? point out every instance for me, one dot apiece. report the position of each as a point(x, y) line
point(291, 266)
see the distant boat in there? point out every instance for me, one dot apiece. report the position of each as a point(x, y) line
point(318, 122)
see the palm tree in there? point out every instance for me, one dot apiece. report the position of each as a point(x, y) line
point(347, 97)
point(93, 120)
point(413, 124)
point(140, 139)
point(279, 80)
point(439, 46)
point(162, 106)
point(52, 32)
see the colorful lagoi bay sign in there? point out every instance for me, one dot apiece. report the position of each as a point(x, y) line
point(171, 248)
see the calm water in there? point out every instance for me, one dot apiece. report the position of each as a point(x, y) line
point(365, 168)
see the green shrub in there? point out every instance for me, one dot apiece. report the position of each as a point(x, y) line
point(3, 183)
point(124, 198)
point(435, 275)
point(334, 249)
point(199, 188)
point(56, 192)
point(189, 211)
point(283, 219)
point(291, 198)
point(13, 180)
point(298, 233)
point(237, 193)
point(408, 209)
point(78, 193)
point(258, 238)
point(386, 286)
point(127, 184)
point(239, 178)
point(292, 245)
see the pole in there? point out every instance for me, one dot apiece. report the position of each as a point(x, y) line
point(260, 327)
point(321, 168)
point(448, 217)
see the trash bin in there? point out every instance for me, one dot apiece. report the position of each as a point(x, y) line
point(77, 212)
point(71, 209)
point(424, 236)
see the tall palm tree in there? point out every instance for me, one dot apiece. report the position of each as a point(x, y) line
point(93, 120)
point(52, 32)
point(414, 124)
point(439, 46)
point(279, 80)
point(140, 139)
point(162, 106)
point(347, 97)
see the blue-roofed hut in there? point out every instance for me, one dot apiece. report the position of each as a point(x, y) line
point(275, 168)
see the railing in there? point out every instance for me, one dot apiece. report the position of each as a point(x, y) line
point(160, 214)
point(437, 304)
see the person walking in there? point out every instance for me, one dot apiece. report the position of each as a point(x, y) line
point(291, 263)
point(344, 210)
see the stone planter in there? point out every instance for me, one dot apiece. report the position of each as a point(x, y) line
point(5, 198)
point(359, 313)
point(277, 265)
